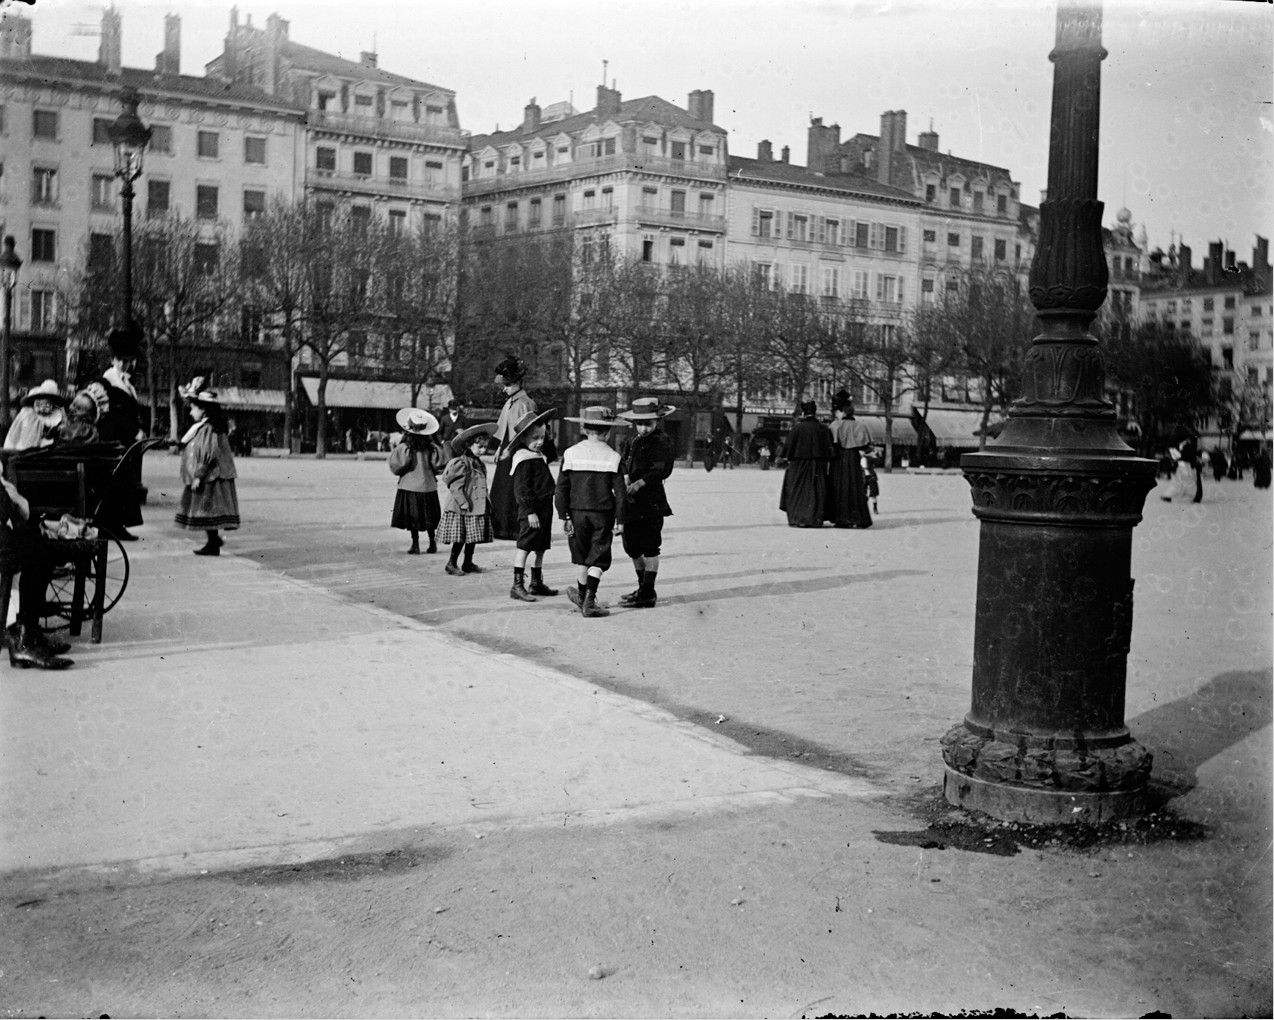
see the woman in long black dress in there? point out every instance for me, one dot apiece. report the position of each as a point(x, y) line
point(501, 500)
point(846, 485)
point(808, 451)
point(119, 421)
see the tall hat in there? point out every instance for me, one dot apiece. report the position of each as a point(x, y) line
point(842, 399)
point(647, 409)
point(124, 343)
point(47, 390)
point(198, 392)
point(511, 368)
point(809, 408)
point(523, 428)
point(417, 421)
point(464, 435)
point(598, 416)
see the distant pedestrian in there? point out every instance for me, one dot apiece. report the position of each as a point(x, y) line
point(589, 497)
point(871, 480)
point(466, 518)
point(846, 485)
point(1261, 469)
point(763, 456)
point(453, 420)
point(533, 490)
point(416, 461)
point(808, 452)
point(209, 499)
point(504, 507)
point(646, 463)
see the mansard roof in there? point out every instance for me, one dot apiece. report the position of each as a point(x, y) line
point(310, 59)
point(766, 171)
point(924, 160)
point(54, 71)
point(647, 110)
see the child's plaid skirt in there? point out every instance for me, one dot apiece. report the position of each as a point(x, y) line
point(466, 528)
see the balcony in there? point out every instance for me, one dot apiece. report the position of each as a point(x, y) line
point(365, 184)
point(561, 173)
point(383, 127)
point(651, 216)
point(594, 217)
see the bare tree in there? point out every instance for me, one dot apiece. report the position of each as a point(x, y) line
point(696, 324)
point(883, 368)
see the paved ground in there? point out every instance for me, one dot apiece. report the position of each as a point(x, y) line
point(320, 777)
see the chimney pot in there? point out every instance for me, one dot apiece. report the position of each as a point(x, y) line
point(168, 60)
point(765, 151)
point(368, 58)
point(108, 53)
point(787, 152)
point(531, 116)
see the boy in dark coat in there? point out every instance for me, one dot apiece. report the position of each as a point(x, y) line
point(533, 492)
point(590, 500)
point(646, 463)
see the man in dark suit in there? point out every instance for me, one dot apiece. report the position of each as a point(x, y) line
point(453, 420)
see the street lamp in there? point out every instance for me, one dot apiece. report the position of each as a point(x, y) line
point(129, 136)
point(9, 266)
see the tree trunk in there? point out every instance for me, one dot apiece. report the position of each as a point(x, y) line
point(150, 384)
point(173, 414)
point(289, 398)
point(889, 439)
point(320, 438)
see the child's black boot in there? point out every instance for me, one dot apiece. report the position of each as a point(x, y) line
point(518, 591)
point(538, 587)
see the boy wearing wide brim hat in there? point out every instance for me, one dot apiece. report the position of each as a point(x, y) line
point(589, 498)
point(533, 492)
point(646, 463)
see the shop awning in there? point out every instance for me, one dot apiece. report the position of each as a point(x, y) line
point(900, 427)
point(371, 393)
point(953, 428)
point(239, 398)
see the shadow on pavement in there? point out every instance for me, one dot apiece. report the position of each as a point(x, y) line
point(1185, 733)
point(813, 584)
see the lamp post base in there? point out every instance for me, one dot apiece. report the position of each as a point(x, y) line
point(1039, 806)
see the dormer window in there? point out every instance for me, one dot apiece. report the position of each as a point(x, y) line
point(678, 150)
point(363, 104)
point(326, 100)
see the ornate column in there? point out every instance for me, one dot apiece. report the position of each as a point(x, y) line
point(1058, 494)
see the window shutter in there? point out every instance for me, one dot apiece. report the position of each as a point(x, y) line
point(902, 239)
point(880, 287)
point(822, 229)
point(24, 308)
point(901, 280)
point(840, 233)
point(853, 233)
point(791, 224)
point(875, 238)
point(756, 221)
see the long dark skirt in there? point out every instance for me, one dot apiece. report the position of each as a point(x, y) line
point(847, 491)
point(416, 511)
point(502, 502)
point(804, 493)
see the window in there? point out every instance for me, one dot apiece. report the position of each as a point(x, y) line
point(1002, 204)
point(798, 227)
point(1227, 357)
point(363, 164)
point(677, 150)
point(677, 203)
point(161, 139)
point(485, 216)
point(1208, 304)
point(363, 105)
point(1001, 247)
point(931, 193)
point(101, 131)
point(1172, 307)
point(829, 230)
point(559, 210)
point(209, 144)
point(648, 249)
point(931, 237)
point(955, 198)
point(43, 318)
point(706, 204)
point(763, 222)
point(763, 275)
point(707, 150)
point(253, 204)
point(103, 191)
point(676, 251)
point(432, 166)
point(44, 124)
point(705, 252)
point(600, 147)
point(888, 289)
point(535, 213)
point(254, 150)
point(44, 247)
point(831, 281)
point(157, 198)
point(397, 222)
point(207, 254)
point(860, 285)
point(360, 218)
point(511, 216)
point(398, 168)
point(896, 239)
point(326, 211)
point(324, 158)
point(1227, 325)
point(975, 247)
point(978, 199)
point(800, 278)
point(206, 201)
point(926, 289)
point(44, 186)
point(590, 198)
point(101, 250)
point(953, 286)
point(953, 240)
point(608, 197)
point(862, 234)
point(650, 198)
point(1229, 301)
point(1253, 340)
point(1206, 329)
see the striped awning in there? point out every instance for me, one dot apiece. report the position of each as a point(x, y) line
point(900, 428)
point(952, 427)
point(240, 398)
point(373, 393)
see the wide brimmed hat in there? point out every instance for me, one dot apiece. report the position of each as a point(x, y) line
point(523, 428)
point(417, 421)
point(598, 416)
point(511, 367)
point(647, 409)
point(47, 390)
point(464, 435)
point(199, 392)
point(124, 343)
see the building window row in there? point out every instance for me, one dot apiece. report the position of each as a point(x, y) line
point(362, 164)
point(847, 233)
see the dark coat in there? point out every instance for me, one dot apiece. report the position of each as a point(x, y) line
point(647, 459)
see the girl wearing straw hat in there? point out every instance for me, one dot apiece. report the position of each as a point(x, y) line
point(416, 461)
point(466, 520)
point(209, 500)
point(533, 489)
point(37, 422)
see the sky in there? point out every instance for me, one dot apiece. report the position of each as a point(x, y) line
point(1187, 126)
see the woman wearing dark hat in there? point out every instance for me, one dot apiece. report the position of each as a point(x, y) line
point(209, 501)
point(37, 423)
point(646, 463)
point(846, 484)
point(808, 451)
point(119, 421)
point(518, 403)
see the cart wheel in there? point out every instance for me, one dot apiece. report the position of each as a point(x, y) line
point(61, 592)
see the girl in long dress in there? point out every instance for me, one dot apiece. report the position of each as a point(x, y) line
point(209, 499)
point(518, 403)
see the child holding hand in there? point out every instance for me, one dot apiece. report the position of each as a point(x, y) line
point(466, 520)
point(533, 494)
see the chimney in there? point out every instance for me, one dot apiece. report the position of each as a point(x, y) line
point(1229, 259)
point(885, 167)
point(928, 139)
point(108, 52)
point(823, 141)
point(787, 153)
point(367, 58)
point(531, 117)
point(1213, 266)
point(277, 26)
point(1261, 252)
point(608, 101)
point(699, 105)
point(899, 140)
point(15, 36)
point(168, 61)
point(764, 151)
point(1184, 255)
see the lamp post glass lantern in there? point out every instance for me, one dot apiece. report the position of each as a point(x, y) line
point(10, 263)
point(129, 136)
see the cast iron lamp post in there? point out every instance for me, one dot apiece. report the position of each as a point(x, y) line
point(1058, 494)
point(9, 266)
point(129, 136)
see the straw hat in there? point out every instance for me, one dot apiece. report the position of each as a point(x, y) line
point(523, 428)
point(464, 435)
point(417, 421)
point(47, 390)
point(598, 416)
point(647, 409)
point(198, 392)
